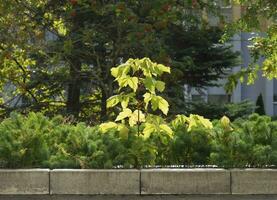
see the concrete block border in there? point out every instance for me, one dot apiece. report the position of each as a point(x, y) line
point(185, 181)
point(138, 182)
point(93, 182)
point(254, 181)
point(24, 181)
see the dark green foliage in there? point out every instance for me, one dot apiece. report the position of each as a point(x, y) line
point(37, 141)
point(23, 141)
point(260, 105)
point(274, 118)
point(199, 60)
point(190, 148)
point(216, 111)
point(83, 40)
point(252, 143)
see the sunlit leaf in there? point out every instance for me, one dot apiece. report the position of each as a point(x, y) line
point(160, 85)
point(148, 130)
point(137, 116)
point(147, 98)
point(163, 105)
point(166, 129)
point(105, 127)
point(113, 101)
point(124, 114)
point(123, 131)
point(133, 83)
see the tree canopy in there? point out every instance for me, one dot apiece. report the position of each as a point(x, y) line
point(258, 16)
point(56, 55)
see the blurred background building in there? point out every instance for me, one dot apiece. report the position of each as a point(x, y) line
point(262, 86)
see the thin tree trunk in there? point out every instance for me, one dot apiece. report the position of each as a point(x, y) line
point(74, 87)
point(104, 98)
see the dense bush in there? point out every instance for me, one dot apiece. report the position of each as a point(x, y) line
point(216, 111)
point(23, 140)
point(251, 142)
point(37, 141)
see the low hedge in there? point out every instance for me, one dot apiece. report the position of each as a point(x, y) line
point(36, 141)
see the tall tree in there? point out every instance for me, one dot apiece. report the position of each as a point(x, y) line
point(199, 60)
point(56, 56)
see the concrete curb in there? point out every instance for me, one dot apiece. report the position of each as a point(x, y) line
point(185, 181)
point(20, 181)
point(116, 182)
point(138, 182)
point(254, 181)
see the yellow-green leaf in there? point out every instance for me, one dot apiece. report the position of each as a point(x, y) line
point(154, 103)
point(137, 116)
point(105, 127)
point(163, 68)
point(180, 120)
point(149, 84)
point(205, 122)
point(123, 81)
point(123, 131)
point(160, 85)
point(113, 101)
point(225, 121)
point(166, 129)
point(163, 105)
point(114, 72)
point(133, 83)
point(147, 97)
point(192, 123)
point(125, 101)
point(124, 114)
point(148, 129)
point(197, 120)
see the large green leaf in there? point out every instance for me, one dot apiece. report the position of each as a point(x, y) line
point(149, 84)
point(124, 101)
point(137, 116)
point(160, 85)
point(161, 68)
point(105, 127)
point(133, 83)
point(163, 105)
point(123, 131)
point(147, 98)
point(124, 114)
point(113, 101)
point(154, 103)
point(197, 120)
point(114, 72)
point(166, 129)
point(148, 130)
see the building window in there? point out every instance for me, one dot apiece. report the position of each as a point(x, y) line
point(218, 98)
point(197, 98)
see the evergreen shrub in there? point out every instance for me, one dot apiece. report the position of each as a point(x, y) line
point(35, 141)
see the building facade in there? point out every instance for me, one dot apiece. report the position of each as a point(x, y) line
point(240, 42)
